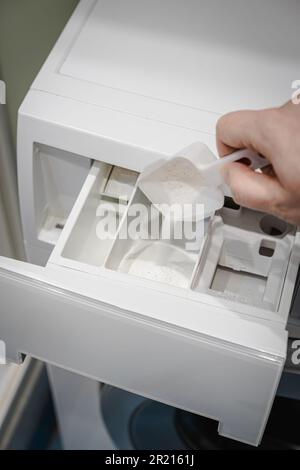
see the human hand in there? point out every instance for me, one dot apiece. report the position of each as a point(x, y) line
point(275, 134)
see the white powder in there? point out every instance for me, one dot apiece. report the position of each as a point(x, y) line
point(150, 270)
point(159, 262)
point(184, 180)
point(180, 182)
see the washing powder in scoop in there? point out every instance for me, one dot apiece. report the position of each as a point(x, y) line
point(192, 177)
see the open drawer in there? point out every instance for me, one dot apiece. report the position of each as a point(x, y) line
point(202, 330)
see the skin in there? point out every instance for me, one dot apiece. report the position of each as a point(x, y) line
point(275, 134)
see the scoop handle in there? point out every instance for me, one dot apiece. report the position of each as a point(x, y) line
point(257, 162)
point(213, 175)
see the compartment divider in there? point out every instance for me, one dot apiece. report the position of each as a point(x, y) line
point(120, 225)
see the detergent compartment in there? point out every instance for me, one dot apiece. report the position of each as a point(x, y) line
point(238, 258)
point(245, 257)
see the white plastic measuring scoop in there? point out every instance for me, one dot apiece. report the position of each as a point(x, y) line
point(192, 177)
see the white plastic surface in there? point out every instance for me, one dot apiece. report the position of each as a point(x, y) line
point(80, 245)
point(80, 421)
point(127, 342)
point(12, 377)
point(173, 52)
point(243, 263)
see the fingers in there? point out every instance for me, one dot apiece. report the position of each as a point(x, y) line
point(244, 129)
point(274, 133)
point(254, 190)
point(264, 132)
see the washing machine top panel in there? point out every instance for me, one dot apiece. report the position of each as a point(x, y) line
point(167, 62)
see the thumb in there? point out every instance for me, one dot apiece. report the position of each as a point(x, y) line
point(252, 189)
